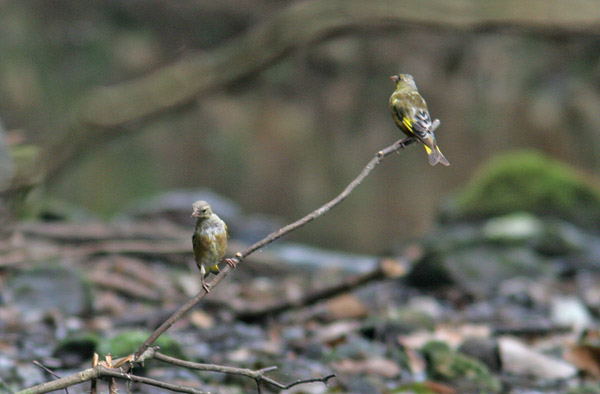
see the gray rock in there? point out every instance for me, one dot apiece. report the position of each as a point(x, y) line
point(570, 311)
point(484, 350)
point(314, 258)
point(37, 291)
point(519, 359)
point(479, 269)
point(513, 228)
point(176, 205)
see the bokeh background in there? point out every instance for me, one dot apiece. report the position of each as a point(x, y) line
point(288, 137)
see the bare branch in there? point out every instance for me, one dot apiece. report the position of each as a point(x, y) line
point(105, 110)
point(146, 352)
point(117, 373)
point(42, 366)
point(59, 384)
point(102, 370)
point(257, 375)
point(239, 257)
point(306, 22)
point(310, 298)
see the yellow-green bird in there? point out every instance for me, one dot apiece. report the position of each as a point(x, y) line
point(412, 116)
point(209, 240)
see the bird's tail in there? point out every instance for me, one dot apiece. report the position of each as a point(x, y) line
point(435, 155)
point(213, 269)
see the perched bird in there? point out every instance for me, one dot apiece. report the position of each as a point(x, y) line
point(412, 116)
point(209, 240)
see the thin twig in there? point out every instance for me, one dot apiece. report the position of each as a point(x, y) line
point(257, 375)
point(94, 384)
point(299, 381)
point(42, 366)
point(112, 384)
point(239, 257)
point(117, 373)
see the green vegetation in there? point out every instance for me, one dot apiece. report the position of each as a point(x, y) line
point(128, 342)
point(447, 365)
point(531, 182)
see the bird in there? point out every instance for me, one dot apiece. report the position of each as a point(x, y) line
point(411, 115)
point(209, 240)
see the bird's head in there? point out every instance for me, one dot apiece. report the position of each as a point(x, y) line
point(201, 209)
point(404, 81)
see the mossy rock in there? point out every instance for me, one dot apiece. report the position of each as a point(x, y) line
point(585, 389)
point(531, 182)
point(459, 370)
point(76, 349)
point(413, 388)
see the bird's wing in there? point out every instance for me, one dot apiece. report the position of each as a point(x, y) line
point(416, 118)
point(196, 247)
point(422, 122)
point(418, 114)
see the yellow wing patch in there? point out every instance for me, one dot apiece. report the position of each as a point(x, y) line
point(406, 122)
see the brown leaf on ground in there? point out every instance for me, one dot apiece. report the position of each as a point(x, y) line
point(373, 366)
point(393, 268)
point(346, 306)
point(201, 319)
point(585, 357)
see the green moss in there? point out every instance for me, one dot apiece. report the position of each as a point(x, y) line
point(531, 182)
point(585, 389)
point(76, 349)
point(128, 342)
point(450, 366)
point(413, 388)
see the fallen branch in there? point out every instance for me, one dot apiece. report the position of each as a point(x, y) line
point(105, 110)
point(239, 257)
point(303, 23)
point(124, 285)
point(101, 370)
point(380, 272)
point(76, 233)
point(257, 375)
point(118, 373)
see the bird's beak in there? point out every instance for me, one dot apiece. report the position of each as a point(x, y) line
point(195, 214)
point(394, 78)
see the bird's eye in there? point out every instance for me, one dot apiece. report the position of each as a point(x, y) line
point(400, 78)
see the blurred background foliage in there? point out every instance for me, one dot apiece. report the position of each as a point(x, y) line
point(290, 136)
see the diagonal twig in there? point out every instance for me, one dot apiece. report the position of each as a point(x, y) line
point(239, 257)
point(42, 366)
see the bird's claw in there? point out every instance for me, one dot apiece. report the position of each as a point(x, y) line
point(231, 263)
point(402, 142)
point(205, 286)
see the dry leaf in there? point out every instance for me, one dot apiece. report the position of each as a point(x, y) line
point(201, 319)
point(346, 306)
point(585, 357)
